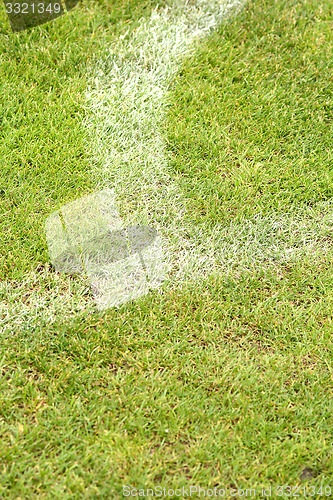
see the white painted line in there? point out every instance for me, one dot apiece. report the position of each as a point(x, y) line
point(126, 107)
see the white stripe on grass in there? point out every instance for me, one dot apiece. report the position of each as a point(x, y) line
point(126, 107)
point(134, 161)
point(275, 238)
point(42, 298)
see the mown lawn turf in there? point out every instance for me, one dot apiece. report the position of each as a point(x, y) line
point(251, 114)
point(224, 383)
point(44, 159)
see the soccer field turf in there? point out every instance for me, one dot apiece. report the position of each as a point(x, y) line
point(220, 137)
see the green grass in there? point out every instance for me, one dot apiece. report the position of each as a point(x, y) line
point(226, 382)
point(44, 159)
point(251, 115)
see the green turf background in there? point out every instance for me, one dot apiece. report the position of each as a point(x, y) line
point(44, 154)
point(222, 383)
